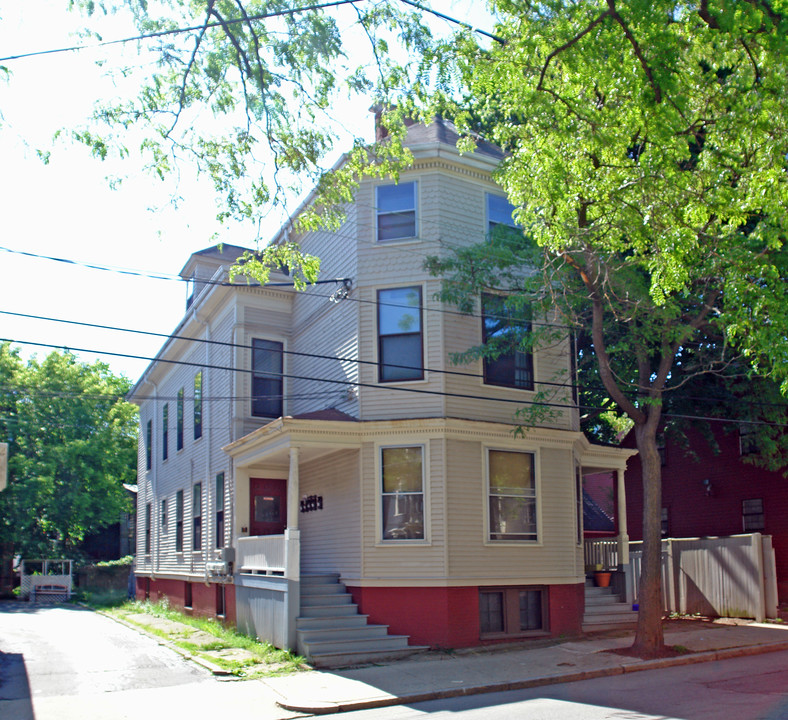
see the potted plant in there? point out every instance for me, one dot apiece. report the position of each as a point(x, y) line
point(601, 577)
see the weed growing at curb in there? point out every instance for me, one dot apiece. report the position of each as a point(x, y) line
point(252, 659)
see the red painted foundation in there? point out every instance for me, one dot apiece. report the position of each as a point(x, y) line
point(204, 598)
point(449, 617)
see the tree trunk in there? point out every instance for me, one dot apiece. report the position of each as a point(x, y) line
point(649, 641)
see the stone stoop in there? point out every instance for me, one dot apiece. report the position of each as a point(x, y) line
point(604, 611)
point(331, 633)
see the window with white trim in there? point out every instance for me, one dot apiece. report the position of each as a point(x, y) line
point(752, 515)
point(267, 380)
point(402, 493)
point(400, 343)
point(511, 495)
point(503, 329)
point(499, 212)
point(396, 211)
point(197, 517)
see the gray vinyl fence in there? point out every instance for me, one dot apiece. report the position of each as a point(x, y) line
point(719, 576)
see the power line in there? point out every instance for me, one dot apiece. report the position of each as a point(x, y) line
point(241, 346)
point(236, 21)
point(179, 31)
point(291, 376)
point(418, 391)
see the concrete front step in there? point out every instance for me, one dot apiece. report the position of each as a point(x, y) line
point(319, 578)
point(604, 611)
point(615, 609)
point(352, 645)
point(364, 632)
point(326, 599)
point(593, 627)
point(319, 622)
point(335, 588)
point(346, 659)
point(328, 611)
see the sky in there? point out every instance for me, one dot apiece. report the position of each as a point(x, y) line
point(67, 208)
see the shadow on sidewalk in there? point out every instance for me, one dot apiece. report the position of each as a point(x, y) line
point(15, 699)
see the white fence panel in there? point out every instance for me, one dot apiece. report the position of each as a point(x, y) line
point(720, 576)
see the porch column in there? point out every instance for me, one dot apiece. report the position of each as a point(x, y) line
point(292, 491)
point(623, 538)
point(627, 590)
point(292, 533)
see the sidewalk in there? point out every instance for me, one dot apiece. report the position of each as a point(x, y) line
point(436, 675)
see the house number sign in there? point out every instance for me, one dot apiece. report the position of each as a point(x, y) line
point(311, 502)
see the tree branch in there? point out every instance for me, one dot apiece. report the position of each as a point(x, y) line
point(638, 50)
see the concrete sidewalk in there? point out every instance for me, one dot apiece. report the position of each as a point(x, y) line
point(438, 675)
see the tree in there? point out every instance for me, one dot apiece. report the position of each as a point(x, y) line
point(72, 444)
point(647, 158)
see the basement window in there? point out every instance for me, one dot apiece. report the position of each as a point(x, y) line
point(511, 611)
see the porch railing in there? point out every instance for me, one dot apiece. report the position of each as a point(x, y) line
point(262, 554)
point(601, 551)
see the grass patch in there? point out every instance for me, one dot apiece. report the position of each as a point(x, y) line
point(102, 599)
point(256, 659)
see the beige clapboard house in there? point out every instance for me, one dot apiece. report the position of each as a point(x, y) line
point(314, 468)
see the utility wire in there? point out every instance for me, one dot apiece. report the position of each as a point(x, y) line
point(295, 353)
point(290, 376)
point(236, 21)
point(419, 391)
point(179, 31)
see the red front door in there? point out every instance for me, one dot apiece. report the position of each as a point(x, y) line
point(267, 506)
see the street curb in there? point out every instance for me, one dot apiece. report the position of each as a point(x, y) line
point(626, 668)
point(196, 659)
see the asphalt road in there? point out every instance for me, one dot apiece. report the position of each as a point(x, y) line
point(747, 688)
point(68, 663)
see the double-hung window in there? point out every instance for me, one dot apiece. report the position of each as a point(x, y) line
point(752, 515)
point(165, 431)
point(396, 211)
point(198, 405)
point(163, 516)
point(197, 516)
point(179, 521)
point(504, 328)
point(147, 528)
point(400, 344)
point(499, 213)
point(267, 378)
point(179, 421)
point(402, 493)
point(220, 510)
point(149, 445)
point(511, 495)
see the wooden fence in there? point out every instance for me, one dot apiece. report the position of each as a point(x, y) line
point(717, 576)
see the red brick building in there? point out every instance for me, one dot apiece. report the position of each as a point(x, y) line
point(708, 493)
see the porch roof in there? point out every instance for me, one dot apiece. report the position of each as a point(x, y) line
point(327, 431)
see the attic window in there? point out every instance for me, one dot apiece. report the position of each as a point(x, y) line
point(396, 211)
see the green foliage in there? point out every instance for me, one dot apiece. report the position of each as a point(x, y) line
point(249, 96)
point(207, 637)
point(72, 444)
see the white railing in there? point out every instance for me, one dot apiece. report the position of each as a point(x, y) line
point(262, 554)
point(47, 574)
point(601, 551)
